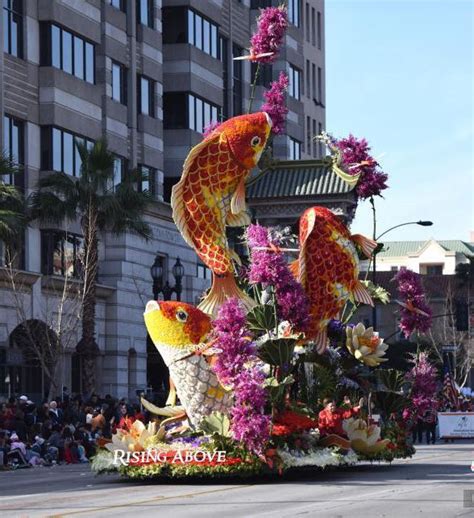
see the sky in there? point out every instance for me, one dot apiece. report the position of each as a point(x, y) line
point(400, 74)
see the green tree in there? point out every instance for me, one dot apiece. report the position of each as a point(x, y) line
point(100, 204)
point(12, 207)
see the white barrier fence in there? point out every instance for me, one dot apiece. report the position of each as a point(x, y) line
point(456, 425)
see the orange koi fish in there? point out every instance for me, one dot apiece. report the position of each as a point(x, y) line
point(328, 268)
point(211, 195)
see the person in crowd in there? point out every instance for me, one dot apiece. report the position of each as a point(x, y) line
point(55, 413)
point(430, 419)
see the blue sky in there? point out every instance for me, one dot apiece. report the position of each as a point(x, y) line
point(400, 74)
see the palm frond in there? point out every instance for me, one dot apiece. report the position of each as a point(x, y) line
point(97, 165)
point(50, 208)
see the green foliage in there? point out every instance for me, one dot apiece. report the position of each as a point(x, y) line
point(277, 352)
point(216, 423)
point(276, 389)
point(390, 379)
point(325, 381)
point(377, 292)
point(261, 319)
point(12, 205)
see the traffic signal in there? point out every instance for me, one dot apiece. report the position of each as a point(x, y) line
point(461, 316)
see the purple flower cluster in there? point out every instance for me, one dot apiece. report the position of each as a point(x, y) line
point(357, 159)
point(417, 315)
point(269, 268)
point(271, 28)
point(423, 377)
point(233, 366)
point(275, 104)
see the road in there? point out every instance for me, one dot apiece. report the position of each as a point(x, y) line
point(434, 483)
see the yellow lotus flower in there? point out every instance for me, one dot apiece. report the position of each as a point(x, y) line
point(364, 438)
point(366, 345)
point(138, 438)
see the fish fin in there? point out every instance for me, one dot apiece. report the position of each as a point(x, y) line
point(237, 203)
point(361, 294)
point(177, 201)
point(167, 411)
point(321, 340)
point(351, 179)
point(235, 257)
point(223, 288)
point(307, 222)
point(366, 244)
point(242, 219)
point(294, 268)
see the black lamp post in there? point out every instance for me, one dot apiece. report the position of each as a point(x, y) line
point(156, 271)
point(379, 249)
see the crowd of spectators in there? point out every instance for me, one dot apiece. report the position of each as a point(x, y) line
point(64, 430)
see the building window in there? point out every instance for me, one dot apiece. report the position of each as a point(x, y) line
point(202, 33)
point(320, 86)
point(313, 82)
point(294, 82)
point(295, 149)
point(201, 113)
point(237, 77)
point(68, 52)
point(313, 26)
point(294, 12)
point(432, 269)
point(146, 96)
point(61, 253)
point(13, 145)
point(13, 27)
point(188, 111)
point(320, 29)
point(308, 79)
point(315, 142)
point(119, 4)
point(224, 44)
point(148, 180)
point(260, 4)
point(60, 151)
point(202, 271)
point(119, 83)
point(145, 12)
point(119, 171)
point(394, 268)
point(265, 74)
point(306, 16)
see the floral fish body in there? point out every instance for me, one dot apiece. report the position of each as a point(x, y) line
point(328, 268)
point(177, 329)
point(211, 195)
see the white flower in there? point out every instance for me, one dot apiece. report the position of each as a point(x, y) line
point(138, 438)
point(364, 438)
point(366, 345)
point(320, 458)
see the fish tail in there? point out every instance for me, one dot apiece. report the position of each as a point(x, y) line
point(321, 340)
point(366, 244)
point(223, 288)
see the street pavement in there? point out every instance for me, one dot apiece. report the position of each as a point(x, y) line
point(436, 482)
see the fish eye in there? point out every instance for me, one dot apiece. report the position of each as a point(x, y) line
point(255, 141)
point(181, 315)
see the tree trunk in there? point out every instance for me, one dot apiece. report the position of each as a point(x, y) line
point(87, 346)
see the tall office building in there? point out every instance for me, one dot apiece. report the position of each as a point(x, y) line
point(148, 75)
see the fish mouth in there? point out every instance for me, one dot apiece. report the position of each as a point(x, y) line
point(151, 305)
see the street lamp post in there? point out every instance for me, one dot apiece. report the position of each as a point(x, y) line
point(378, 249)
point(156, 271)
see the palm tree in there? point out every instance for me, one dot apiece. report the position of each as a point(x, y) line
point(100, 207)
point(12, 209)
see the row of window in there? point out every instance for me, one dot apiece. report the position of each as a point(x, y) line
point(75, 58)
point(66, 51)
point(184, 25)
point(313, 26)
point(188, 111)
point(13, 146)
point(314, 83)
point(313, 147)
point(294, 149)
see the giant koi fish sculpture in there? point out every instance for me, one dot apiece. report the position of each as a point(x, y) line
point(328, 268)
point(211, 195)
point(177, 329)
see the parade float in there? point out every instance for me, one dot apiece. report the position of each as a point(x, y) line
point(257, 367)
